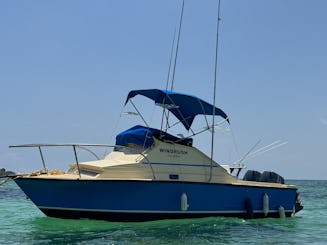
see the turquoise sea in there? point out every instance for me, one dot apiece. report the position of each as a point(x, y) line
point(22, 223)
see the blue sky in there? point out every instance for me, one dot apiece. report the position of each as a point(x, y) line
point(67, 66)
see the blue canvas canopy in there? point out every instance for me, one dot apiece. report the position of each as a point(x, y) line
point(184, 107)
point(143, 136)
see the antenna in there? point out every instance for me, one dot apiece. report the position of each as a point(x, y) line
point(176, 55)
point(214, 92)
point(168, 76)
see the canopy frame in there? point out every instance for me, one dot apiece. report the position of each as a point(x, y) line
point(184, 107)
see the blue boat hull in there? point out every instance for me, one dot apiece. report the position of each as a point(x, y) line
point(137, 200)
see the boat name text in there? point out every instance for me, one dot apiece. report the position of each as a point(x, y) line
point(173, 151)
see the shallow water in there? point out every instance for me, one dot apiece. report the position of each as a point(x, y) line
point(22, 223)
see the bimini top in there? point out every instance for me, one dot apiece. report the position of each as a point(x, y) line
point(143, 136)
point(184, 107)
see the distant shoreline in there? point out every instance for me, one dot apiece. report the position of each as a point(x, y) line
point(5, 173)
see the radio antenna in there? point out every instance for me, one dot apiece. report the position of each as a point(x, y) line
point(176, 55)
point(214, 92)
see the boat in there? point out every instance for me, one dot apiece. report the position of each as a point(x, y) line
point(152, 174)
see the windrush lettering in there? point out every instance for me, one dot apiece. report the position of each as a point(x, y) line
point(173, 151)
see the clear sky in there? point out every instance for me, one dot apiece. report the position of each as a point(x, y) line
point(67, 66)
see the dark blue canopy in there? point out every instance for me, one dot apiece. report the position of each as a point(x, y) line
point(184, 107)
point(143, 136)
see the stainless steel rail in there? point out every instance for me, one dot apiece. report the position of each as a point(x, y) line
point(74, 145)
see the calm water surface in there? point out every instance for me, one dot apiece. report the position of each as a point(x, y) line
point(22, 223)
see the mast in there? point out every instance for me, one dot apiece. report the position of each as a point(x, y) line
point(214, 94)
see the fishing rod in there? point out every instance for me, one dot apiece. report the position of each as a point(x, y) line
point(251, 149)
point(260, 151)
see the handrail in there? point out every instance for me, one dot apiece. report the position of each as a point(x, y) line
point(66, 144)
point(74, 145)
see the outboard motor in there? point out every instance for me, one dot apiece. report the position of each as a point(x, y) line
point(252, 175)
point(298, 203)
point(271, 177)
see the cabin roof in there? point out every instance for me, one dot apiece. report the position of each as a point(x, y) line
point(143, 136)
